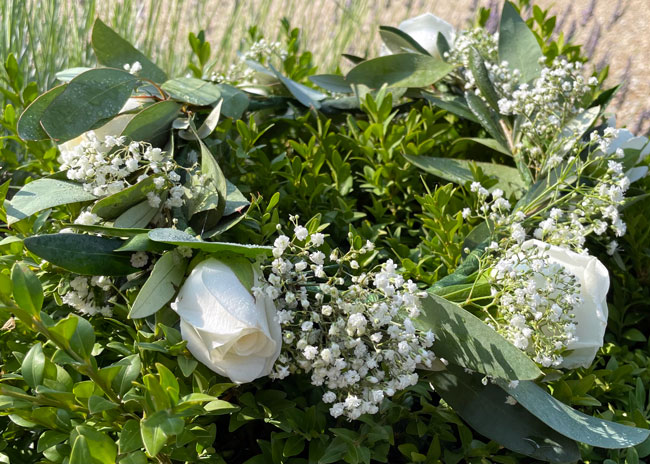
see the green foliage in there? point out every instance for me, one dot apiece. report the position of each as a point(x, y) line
point(94, 389)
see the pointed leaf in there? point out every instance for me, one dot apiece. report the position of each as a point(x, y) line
point(153, 123)
point(193, 91)
point(42, 194)
point(27, 289)
point(465, 340)
point(485, 409)
point(518, 45)
point(29, 125)
point(400, 70)
point(179, 238)
point(161, 286)
point(81, 254)
point(571, 423)
point(89, 98)
point(399, 41)
point(113, 51)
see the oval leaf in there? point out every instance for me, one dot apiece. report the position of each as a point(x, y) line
point(400, 70)
point(112, 50)
point(42, 194)
point(29, 125)
point(179, 238)
point(484, 406)
point(89, 98)
point(518, 45)
point(465, 340)
point(571, 423)
point(192, 90)
point(81, 254)
point(161, 286)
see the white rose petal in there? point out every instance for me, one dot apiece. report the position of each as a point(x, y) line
point(226, 328)
point(424, 29)
point(591, 314)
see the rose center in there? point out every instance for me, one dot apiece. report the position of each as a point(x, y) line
point(247, 344)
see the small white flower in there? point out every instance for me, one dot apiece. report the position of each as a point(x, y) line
point(301, 232)
point(139, 259)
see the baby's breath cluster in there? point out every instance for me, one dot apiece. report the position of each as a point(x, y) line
point(481, 40)
point(240, 71)
point(108, 166)
point(533, 300)
point(349, 328)
point(88, 295)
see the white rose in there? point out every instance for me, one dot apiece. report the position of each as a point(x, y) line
point(114, 127)
point(226, 328)
point(424, 30)
point(591, 315)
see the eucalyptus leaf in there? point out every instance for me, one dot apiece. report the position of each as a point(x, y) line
point(458, 171)
point(487, 117)
point(113, 51)
point(332, 82)
point(486, 410)
point(193, 91)
point(571, 423)
point(112, 206)
point(398, 41)
point(107, 230)
point(482, 78)
point(179, 238)
point(399, 70)
point(136, 216)
point(465, 340)
point(235, 201)
point(153, 123)
point(68, 74)
point(305, 95)
point(42, 194)
point(88, 99)
point(161, 286)
point(29, 125)
point(490, 143)
point(235, 102)
point(81, 254)
point(518, 45)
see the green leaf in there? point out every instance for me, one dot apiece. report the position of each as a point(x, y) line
point(465, 340)
point(305, 95)
point(136, 216)
point(455, 105)
point(518, 45)
point(27, 289)
point(485, 409)
point(42, 194)
point(98, 404)
point(219, 407)
point(107, 230)
point(89, 98)
point(400, 70)
point(130, 372)
point(157, 428)
point(571, 423)
point(332, 82)
point(235, 201)
point(130, 439)
point(490, 143)
point(68, 74)
point(112, 206)
point(113, 51)
point(29, 125)
point(179, 238)
point(141, 242)
point(50, 438)
point(33, 366)
point(482, 78)
point(161, 286)
point(153, 123)
point(81, 254)
point(399, 41)
point(93, 447)
point(235, 102)
point(137, 457)
point(458, 171)
point(193, 91)
point(83, 338)
point(487, 117)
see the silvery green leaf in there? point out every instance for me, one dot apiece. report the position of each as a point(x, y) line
point(518, 45)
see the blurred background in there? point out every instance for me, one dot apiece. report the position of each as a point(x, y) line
point(50, 35)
